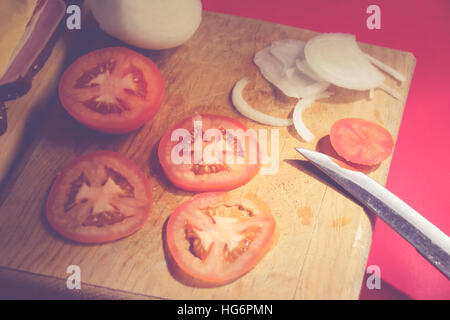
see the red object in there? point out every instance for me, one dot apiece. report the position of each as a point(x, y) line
point(419, 172)
point(360, 141)
point(228, 236)
point(112, 90)
point(112, 186)
point(191, 173)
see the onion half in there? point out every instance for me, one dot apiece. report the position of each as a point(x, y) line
point(148, 24)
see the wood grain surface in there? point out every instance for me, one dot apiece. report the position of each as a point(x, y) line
point(324, 237)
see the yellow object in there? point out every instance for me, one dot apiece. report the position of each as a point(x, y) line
point(14, 17)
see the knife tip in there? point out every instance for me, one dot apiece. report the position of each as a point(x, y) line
point(301, 151)
point(308, 154)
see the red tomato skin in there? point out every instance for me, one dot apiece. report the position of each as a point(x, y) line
point(131, 125)
point(56, 185)
point(217, 185)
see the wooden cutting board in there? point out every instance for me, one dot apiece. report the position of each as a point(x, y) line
point(324, 237)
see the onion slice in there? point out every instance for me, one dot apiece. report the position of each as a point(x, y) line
point(303, 66)
point(246, 110)
point(287, 51)
point(300, 107)
point(337, 58)
point(277, 64)
point(392, 92)
point(389, 70)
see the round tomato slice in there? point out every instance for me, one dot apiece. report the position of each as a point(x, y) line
point(209, 153)
point(112, 90)
point(99, 197)
point(361, 141)
point(216, 238)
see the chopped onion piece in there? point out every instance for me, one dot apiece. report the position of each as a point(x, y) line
point(392, 92)
point(337, 58)
point(246, 110)
point(371, 94)
point(301, 106)
point(394, 73)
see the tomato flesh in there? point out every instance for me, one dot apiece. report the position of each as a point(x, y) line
point(99, 197)
point(235, 164)
point(360, 141)
point(112, 90)
point(216, 238)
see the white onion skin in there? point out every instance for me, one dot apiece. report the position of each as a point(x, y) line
point(148, 24)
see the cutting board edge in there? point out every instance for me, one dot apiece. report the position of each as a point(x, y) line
point(307, 30)
point(29, 285)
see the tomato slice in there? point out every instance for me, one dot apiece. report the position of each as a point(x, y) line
point(196, 160)
point(324, 146)
point(361, 141)
point(215, 238)
point(99, 197)
point(112, 90)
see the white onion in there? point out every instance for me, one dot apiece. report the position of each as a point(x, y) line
point(305, 71)
point(303, 66)
point(337, 58)
point(287, 51)
point(280, 69)
point(246, 110)
point(297, 118)
point(392, 92)
point(394, 73)
point(148, 24)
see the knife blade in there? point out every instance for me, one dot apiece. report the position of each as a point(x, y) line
point(429, 240)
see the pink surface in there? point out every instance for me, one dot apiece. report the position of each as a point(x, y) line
point(420, 171)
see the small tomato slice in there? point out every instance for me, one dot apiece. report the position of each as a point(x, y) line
point(209, 153)
point(112, 90)
point(216, 238)
point(360, 141)
point(99, 197)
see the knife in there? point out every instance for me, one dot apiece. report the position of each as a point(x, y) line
point(429, 241)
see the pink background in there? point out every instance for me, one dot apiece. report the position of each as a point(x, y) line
point(420, 172)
